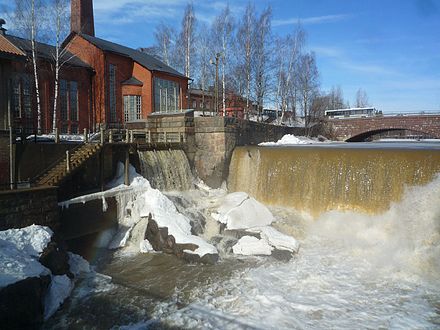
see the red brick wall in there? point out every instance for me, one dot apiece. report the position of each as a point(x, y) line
point(125, 69)
point(347, 128)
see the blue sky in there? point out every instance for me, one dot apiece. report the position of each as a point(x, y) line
point(389, 48)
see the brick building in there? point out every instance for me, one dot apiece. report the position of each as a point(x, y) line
point(18, 88)
point(205, 101)
point(128, 85)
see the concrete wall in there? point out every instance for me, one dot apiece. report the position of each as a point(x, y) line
point(24, 207)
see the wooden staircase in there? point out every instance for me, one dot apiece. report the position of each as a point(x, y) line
point(56, 174)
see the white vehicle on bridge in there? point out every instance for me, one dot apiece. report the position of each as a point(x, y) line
point(351, 113)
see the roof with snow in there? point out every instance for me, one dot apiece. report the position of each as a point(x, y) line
point(147, 61)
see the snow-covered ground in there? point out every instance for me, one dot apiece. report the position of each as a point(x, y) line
point(19, 253)
point(290, 139)
point(20, 250)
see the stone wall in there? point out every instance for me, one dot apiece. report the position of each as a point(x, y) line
point(344, 129)
point(24, 207)
point(216, 138)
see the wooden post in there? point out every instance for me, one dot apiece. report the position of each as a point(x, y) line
point(101, 169)
point(127, 135)
point(126, 172)
point(131, 136)
point(149, 136)
point(165, 137)
point(67, 161)
point(110, 136)
point(86, 136)
point(102, 136)
point(57, 135)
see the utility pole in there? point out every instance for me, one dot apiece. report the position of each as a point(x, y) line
point(217, 57)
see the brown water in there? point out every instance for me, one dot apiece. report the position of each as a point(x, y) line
point(316, 179)
point(166, 169)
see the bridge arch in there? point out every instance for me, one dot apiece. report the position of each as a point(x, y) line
point(360, 137)
point(358, 129)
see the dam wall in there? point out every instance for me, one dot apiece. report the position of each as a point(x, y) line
point(319, 179)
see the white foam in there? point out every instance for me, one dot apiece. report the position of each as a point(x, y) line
point(353, 270)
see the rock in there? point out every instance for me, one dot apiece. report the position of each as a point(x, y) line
point(237, 233)
point(197, 219)
point(161, 241)
point(282, 255)
point(21, 303)
point(56, 259)
point(224, 244)
point(208, 258)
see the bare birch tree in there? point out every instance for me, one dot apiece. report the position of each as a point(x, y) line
point(308, 86)
point(262, 57)
point(60, 16)
point(164, 35)
point(25, 19)
point(336, 98)
point(288, 54)
point(245, 48)
point(204, 57)
point(361, 99)
point(186, 42)
point(222, 30)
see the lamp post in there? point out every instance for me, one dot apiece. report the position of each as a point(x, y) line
point(217, 57)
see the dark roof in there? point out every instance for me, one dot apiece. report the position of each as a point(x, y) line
point(8, 49)
point(147, 61)
point(46, 51)
point(133, 81)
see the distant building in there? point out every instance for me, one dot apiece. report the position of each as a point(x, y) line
point(204, 102)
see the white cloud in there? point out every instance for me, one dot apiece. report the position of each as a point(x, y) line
point(311, 20)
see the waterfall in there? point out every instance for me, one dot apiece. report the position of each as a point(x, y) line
point(166, 169)
point(322, 179)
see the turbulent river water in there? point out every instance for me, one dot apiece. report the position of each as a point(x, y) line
point(355, 270)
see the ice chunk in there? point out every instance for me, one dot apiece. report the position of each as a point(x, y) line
point(59, 289)
point(240, 211)
point(250, 245)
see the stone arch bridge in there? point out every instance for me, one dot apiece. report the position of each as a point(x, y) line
point(359, 129)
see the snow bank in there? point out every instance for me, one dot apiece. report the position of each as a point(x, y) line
point(137, 201)
point(59, 289)
point(78, 264)
point(250, 245)
point(240, 211)
point(290, 139)
point(276, 239)
point(19, 253)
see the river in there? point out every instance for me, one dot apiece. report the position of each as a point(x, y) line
point(375, 266)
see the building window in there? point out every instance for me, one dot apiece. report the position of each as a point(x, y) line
point(73, 95)
point(21, 97)
point(194, 104)
point(68, 104)
point(132, 107)
point(63, 100)
point(112, 92)
point(166, 95)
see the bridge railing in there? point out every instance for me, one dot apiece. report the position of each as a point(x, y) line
point(404, 114)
